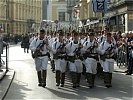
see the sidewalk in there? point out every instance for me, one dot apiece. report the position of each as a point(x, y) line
point(120, 69)
point(5, 81)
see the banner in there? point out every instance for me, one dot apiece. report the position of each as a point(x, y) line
point(100, 5)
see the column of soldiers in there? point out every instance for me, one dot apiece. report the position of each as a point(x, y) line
point(74, 52)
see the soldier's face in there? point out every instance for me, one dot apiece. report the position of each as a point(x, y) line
point(42, 35)
point(109, 38)
point(76, 37)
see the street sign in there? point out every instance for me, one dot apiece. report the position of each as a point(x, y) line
point(100, 5)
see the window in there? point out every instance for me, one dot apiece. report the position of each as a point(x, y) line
point(61, 16)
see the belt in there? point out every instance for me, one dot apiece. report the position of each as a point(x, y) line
point(42, 55)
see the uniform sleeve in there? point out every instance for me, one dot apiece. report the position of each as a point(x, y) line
point(33, 45)
point(101, 48)
point(68, 48)
point(54, 47)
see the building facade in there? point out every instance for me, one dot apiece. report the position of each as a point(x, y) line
point(120, 15)
point(21, 16)
point(89, 18)
point(44, 9)
point(57, 13)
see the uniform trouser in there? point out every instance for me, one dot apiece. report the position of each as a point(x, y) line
point(52, 65)
point(60, 77)
point(91, 70)
point(76, 69)
point(42, 76)
point(60, 67)
point(108, 67)
point(90, 79)
point(41, 67)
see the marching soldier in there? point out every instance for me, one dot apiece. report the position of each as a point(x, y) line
point(75, 64)
point(58, 48)
point(39, 47)
point(108, 52)
point(91, 57)
point(51, 41)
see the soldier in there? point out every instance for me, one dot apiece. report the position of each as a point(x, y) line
point(51, 41)
point(58, 48)
point(75, 64)
point(67, 39)
point(108, 51)
point(39, 47)
point(91, 57)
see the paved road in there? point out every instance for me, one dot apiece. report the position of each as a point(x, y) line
point(24, 85)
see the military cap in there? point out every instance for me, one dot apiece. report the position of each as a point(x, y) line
point(60, 32)
point(91, 34)
point(109, 34)
point(75, 33)
point(42, 31)
point(68, 34)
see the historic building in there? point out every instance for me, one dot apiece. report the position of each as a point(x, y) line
point(20, 16)
point(119, 15)
point(57, 12)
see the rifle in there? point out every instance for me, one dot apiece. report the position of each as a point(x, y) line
point(56, 55)
point(77, 53)
point(37, 53)
point(110, 54)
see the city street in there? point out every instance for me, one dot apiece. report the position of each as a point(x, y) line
point(25, 86)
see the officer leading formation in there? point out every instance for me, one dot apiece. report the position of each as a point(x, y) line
point(74, 54)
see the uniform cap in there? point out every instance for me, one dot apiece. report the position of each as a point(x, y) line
point(91, 34)
point(60, 32)
point(75, 33)
point(42, 31)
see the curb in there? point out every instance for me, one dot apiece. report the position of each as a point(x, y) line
point(6, 83)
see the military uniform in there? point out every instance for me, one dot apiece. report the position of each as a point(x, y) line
point(75, 64)
point(51, 41)
point(59, 59)
point(41, 60)
point(107, 51)
point(91, 57)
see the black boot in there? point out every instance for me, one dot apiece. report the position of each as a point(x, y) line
point(53, 66)
point(78, 79)
point(57, 77)
point(89, 80)
point(107, 79)
point(110, 79)
point(74, 78)
point(44, 74)
point(39, 78)
point(62, 79)
point(93, 79)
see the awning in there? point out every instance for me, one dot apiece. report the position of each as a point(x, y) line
point(92, 22)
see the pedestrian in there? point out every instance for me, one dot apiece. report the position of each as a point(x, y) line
point(39, 47)
point(25, 43)
point(130, 53)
